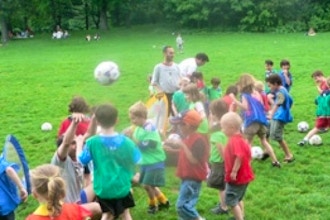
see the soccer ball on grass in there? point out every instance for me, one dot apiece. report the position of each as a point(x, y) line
point(315, 140)
point(302, 126)
point(46, 126)
point(106, 73)
point(257, 152)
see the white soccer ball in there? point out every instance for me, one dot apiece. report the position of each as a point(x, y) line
point(46, 126)
point(106, 73)
point(256, 152)
point(315, 140)
point(174, 137)
point(302, 126)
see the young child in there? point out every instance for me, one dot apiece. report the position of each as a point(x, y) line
point(149, 141)
point(194, 97)
point(259, 86)
point(238, 171)
point(254, 114)
point(227, 98)
point(285, 75)
point(192, 163)
point(218, 141)
point(214, 92)
point(322, 121)
point(179, 43)
point(179, 101)
point(280, 114)
point(114, 157)
point(198, 79)
point(9, 183)
point(48, 187)
point(268, 71)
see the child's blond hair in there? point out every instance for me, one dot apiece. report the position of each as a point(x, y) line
point(48, 183)
point(246, 83)
point(139, 109)
point(184, 80)
point(259, 85)
point(233, 120)
point(193, 92)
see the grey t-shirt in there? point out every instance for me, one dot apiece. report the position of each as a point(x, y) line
point(72, 173)
point(167, 77)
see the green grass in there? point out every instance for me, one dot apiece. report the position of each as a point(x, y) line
point(40, 76)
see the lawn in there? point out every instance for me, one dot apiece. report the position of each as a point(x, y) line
point(39, 77)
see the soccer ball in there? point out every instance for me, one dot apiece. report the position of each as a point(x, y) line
point(46, 126)
point(106, 73)
point(302, 126)
point(256, 152)
point(315, 140)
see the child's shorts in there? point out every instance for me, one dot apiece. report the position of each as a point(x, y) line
point(153, 177)
point(10, 216)
point(234, 193)
point(116, 206)
point(322, 123)
point(216, 178)
point(255, 129)
point(276, 130)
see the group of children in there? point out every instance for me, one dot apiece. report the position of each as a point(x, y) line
point(214, 144)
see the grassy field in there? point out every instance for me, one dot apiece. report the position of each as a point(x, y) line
point(39, 77)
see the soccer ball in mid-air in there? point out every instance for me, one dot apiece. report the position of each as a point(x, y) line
point(106, 73)
point(302, 126)
point(46, 126)
point(315, 140)
point(256, 152)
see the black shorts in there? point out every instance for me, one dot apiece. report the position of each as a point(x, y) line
point(116, 206)
point(86, 169)
point(10, 216)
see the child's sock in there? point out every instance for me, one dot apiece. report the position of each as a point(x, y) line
point(162, 198)
point(152, 202)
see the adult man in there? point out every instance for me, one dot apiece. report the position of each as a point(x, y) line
point(166, 75)
point(189, 65)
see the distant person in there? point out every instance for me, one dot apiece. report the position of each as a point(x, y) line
point(88, 37)
point(97, 36)
point(237, 157)
point(189, 65)
point(192, 165)
point(322, 122)
point(179, 43)
point(214, 91)
point(311, 32)
point(65, 34)
point(166, 76)
point(12, 191)
point(114, 157)
point(49, 189)
point(280, 114)
point(269, 70)
point(285, 74)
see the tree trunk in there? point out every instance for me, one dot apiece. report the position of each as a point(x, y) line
point(4, 29)
point(103, 19)
point(86, 16)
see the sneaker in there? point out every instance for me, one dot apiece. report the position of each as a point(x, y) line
point(164, 206)
point(219, 211)
point(152, 209)
point(302, 143)
point(276, 164)
point(264, 156)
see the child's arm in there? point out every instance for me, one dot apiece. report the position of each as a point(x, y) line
point(243, 105)
point(62, 151)
point(221, 149)
point(194, 154)
point(286, 77)
point(11, 173)
point(83, 155)
point(91, 128)
point(237, 165)
point(174, 109)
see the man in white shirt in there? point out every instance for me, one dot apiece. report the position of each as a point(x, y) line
point(189, 65)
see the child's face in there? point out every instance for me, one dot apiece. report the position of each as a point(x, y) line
point(183, 84)
point(268, 67)
point(226, 128)
point(285, 67)
point(272, 87)
point(138, 121)
point(215, 85)
point(318, 79)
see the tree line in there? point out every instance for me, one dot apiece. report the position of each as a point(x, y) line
point(233, 15)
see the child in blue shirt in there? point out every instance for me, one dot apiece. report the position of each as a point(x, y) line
point(286, 76)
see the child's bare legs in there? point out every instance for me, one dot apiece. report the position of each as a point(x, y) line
point(151, 195)
point(126, 215)
point(315, 130)
point(286, 150)
point(222, 197)
point(107, 216)
point(268, 148)
point(237, 211)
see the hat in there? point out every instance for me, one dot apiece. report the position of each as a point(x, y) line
point(189, 117)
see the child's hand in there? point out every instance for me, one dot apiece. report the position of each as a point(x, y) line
point(77, 117)
point(23, 194)
point(80, 139)
point(233, 175)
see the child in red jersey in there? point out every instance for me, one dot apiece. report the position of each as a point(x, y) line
point(192, 163)
point(237, 157)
